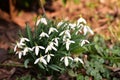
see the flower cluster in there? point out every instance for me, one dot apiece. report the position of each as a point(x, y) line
point(52, 42)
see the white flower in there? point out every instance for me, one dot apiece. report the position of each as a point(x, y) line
point(60, 23)
point(41, 59)
point(26, 49)
point(43, 34)
point(87, 29)
point(18, 45)
point(37, 48)
point(20, 53)
point(52, 30)
point(42, 20)
point(65, 58)
point(84, 41)
point(22, 40)
point(65, 33)
point(50, 47)
point(56, 41)
point(81, 20)
point(68, 42)
point(76, 59)
point(49, 57)
point(72, 26)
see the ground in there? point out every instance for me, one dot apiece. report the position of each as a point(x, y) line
point(101, 15)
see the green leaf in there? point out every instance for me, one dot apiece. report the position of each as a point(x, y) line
point(29, 34)
point(26, 63)
point(78, 50)
point(55, 67)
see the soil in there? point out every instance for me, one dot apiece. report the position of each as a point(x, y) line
point(100, 15)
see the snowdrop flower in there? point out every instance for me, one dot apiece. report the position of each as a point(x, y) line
point(42, 20)
point(81, 20)
point(43, 34)
point(56, 41)
point(72, 26)
point(77, 59)
point(49, 57)
point(68, 42)
point(37, 48)
point(20, 53)
point(84, 41)
point(26, 49)
point(65, 58)
point(66, 33)
point(50, 47)
point(22, 40)
point(41, 59)
point(60, 23)
point(87, 29)
point(52, 30)
point(18, 45)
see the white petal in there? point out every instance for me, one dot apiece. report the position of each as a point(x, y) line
point(54, 48)
point(81, 20)
point(36, 50)
point(48, 58)
point(41, 47)
point(81, 61)
point(85, 30)
point(19, 55)
point(70, 58)
point(66, 61)
point(15, 48)
point(43, 61)
point(60, 24)
point(67, 46)
point(62, 59)
point(36, 61)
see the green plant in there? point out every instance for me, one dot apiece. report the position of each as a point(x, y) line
point(51, 44)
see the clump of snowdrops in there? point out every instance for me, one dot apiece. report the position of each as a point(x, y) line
point(54, 45)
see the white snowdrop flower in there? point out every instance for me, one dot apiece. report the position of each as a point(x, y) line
point(37, 49)
point(18, 45)
point(52, 30)
point(65, 33)
point(77, 59)
point(56, 41)
point(50, 47)
point(72, 26)
point(84, 41)
point(20, 53)
point(41, 59)
point(26, 49)
point(66, 61)
point(81, 20)
point(43, 34)
point(87, 29)
point(42, 20)
point(60, 23)
point(22, 40)
point(68, 42)
point(49, 57)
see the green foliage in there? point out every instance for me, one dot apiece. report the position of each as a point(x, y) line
point(54, 46)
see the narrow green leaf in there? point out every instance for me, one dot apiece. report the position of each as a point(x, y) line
point(29, 34)
point(55, 67)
